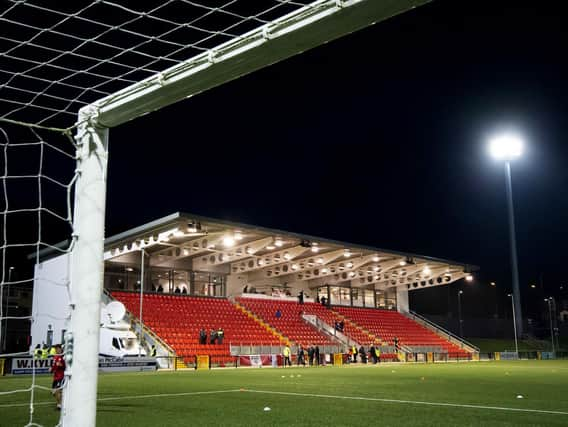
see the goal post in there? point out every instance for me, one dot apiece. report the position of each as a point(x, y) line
point(310, 26)
point(87, 273)
point(88, 72)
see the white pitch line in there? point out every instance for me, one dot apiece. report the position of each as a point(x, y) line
point(139, 396)
point(416, 402)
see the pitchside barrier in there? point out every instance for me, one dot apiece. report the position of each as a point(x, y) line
point(27, 365)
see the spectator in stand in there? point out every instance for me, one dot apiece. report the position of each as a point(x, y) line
point(363, 354)
point(220, 335)
point(184, 290)
point(318, 299)
point(323, 299)
point(160, 288)
point(278, 314)
point(286, 356)
point(245, 289)
point(58, 369)
point(202, 336)
point(301, 357)
point(341, 325)
point(212, 336)
point(317, 355)
point(301, 297)
point(177, 291)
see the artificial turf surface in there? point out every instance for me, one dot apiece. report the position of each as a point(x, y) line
point(475, 394)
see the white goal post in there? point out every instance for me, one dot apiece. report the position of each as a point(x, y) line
point(306, 27)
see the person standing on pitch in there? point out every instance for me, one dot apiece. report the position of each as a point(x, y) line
point(58, 369)
point(286, 355)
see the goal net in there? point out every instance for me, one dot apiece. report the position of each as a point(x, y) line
point(69, 71)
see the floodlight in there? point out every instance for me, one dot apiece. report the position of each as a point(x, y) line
point(506, 147)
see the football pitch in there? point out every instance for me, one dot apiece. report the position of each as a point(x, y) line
point(476, 394)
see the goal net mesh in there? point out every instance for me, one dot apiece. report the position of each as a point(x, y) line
point(56, 58)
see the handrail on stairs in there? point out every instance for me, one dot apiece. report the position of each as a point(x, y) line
point(441, 330)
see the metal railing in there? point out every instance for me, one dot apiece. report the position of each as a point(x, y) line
point(441, 331)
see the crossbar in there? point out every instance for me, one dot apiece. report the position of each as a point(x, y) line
point(306, 28)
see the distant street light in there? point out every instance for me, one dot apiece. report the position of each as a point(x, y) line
point(550, 300)
point(514, 323)
point(508, 147)
point(460, 313)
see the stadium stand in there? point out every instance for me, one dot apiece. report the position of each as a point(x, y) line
point(177, 320)
point(290, 324)
point(388, 324)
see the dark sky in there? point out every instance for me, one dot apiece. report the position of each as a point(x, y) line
point(378, 138)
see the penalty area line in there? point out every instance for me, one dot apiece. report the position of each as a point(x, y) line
point(137, 396)
point(414, 402)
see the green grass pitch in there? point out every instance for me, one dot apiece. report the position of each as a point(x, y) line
point(466, 394)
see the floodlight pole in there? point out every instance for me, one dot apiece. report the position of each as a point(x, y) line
point(514, 324)
point(87, 274)
point(142, 251)
point(460, 292)
point(513, 246)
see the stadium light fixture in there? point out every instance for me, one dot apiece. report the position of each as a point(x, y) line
point(469, 278)
point(507, 147)
point(228, 241)
point(492, 284)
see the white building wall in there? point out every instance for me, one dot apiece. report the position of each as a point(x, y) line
point(50, 309)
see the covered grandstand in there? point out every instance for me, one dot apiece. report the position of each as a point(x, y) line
point(205, 273)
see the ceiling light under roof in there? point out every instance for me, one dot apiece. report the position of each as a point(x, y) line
point(315, 247)
point(347, 253)
point(426, 271)
point(278, 242)
point(238, 235)
point(402, 263)
point(376, 258)
point(228, 241)
point(270, 247)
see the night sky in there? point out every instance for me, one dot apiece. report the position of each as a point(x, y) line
point(379, 138)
